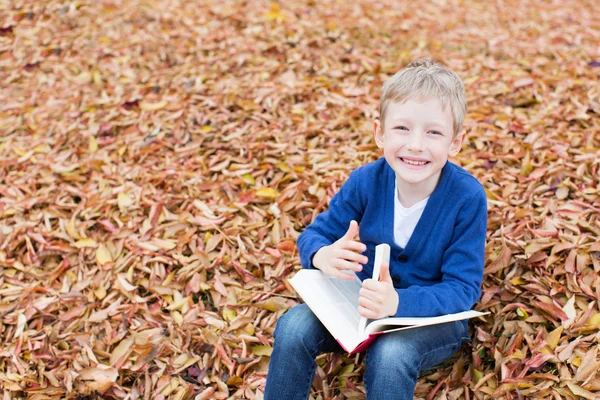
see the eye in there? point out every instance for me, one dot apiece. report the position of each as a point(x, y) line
point(400, 128)
point(436, 133)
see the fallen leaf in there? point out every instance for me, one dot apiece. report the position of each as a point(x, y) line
point(98, 379)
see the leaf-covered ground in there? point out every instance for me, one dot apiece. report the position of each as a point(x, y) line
point(159, 159)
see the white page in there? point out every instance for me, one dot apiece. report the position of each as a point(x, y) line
point(396, 324)
point(334, 301)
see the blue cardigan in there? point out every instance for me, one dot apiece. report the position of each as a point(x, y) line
point(441, 268)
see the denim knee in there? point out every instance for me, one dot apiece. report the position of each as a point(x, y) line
point(299, 328)
point(394, 356)
point(394, 360)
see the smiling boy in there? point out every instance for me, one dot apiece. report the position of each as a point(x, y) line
point(430, 211)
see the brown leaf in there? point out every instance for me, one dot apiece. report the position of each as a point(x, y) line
point(98, 379)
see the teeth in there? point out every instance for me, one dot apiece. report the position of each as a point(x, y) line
point(411, 162)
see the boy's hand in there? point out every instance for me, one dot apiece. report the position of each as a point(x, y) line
point(378, 299)
point(344, 254)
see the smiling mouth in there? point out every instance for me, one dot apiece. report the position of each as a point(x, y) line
point(414, 162)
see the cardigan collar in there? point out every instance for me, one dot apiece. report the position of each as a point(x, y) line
point(432, 210)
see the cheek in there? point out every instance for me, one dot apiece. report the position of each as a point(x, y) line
point(392, 143)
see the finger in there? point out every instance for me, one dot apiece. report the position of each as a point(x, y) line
point(371, 307)
point(343, 264)
point(352, 230)
point(353, 245)
point(343, 275)
point(364, 312)
point(372, 296)
point(384, 273)
point(371, 285)
point(352, 256)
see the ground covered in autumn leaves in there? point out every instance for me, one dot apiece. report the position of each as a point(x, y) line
point(159, 159)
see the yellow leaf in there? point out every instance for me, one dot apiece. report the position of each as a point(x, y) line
point(346, 369)
point(42, 148)
point(234, 381)
point(25, 157)
point(284, 167)
point(262, 350)
point(476, 375)
point(97, 77)
point(176, 315)
point(152, 106)
point(100, 293)
point(273, 304)
point(248, 178)
point(522, 314)
point(526, 166)
point(121, 351)
point(518, 354)
point(169, 278)
point(124, 201)
point(165, 244)
point(229, 314)
point(93, 146)
point(595, 320)
point(122, 150)
point(71, 230)
point(103, 255)
point(537, 246)
point(173, 384)
point(19, 152)
point(267, 193)
point(517, 280)
point(86, 243)
point(553, 337)
point(248, 329)
point(177, 305)
point(274, 15)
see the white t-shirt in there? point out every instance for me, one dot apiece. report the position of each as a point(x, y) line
point(406, 219)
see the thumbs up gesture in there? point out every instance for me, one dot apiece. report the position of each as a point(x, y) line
point(344, 254)
point(378, 299)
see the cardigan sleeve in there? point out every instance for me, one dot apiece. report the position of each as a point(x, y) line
point(333, 223)
point(462, 268)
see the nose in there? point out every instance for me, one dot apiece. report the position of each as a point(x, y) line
point(415, 142)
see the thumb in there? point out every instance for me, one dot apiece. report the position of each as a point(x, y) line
point(352, 230)
point(384, 273)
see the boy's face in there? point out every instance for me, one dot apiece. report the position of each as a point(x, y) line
point(417, 139)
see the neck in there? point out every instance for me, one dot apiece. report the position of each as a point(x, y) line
point(410, 194)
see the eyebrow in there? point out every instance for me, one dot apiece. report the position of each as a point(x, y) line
point(429, 124)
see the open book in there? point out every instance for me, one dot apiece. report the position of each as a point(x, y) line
point(335, 302)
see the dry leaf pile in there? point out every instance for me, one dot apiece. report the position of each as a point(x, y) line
point(159, 159)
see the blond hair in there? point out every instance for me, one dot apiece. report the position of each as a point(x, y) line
point(426, 79)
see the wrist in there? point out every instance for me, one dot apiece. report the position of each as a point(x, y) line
point(316, 258)
point(396, 303)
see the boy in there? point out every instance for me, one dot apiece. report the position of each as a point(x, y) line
point(431, 212)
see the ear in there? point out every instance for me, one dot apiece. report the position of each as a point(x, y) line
point(456, 144)
point(377, 130)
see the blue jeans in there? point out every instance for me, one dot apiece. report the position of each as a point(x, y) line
point(393, 361)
